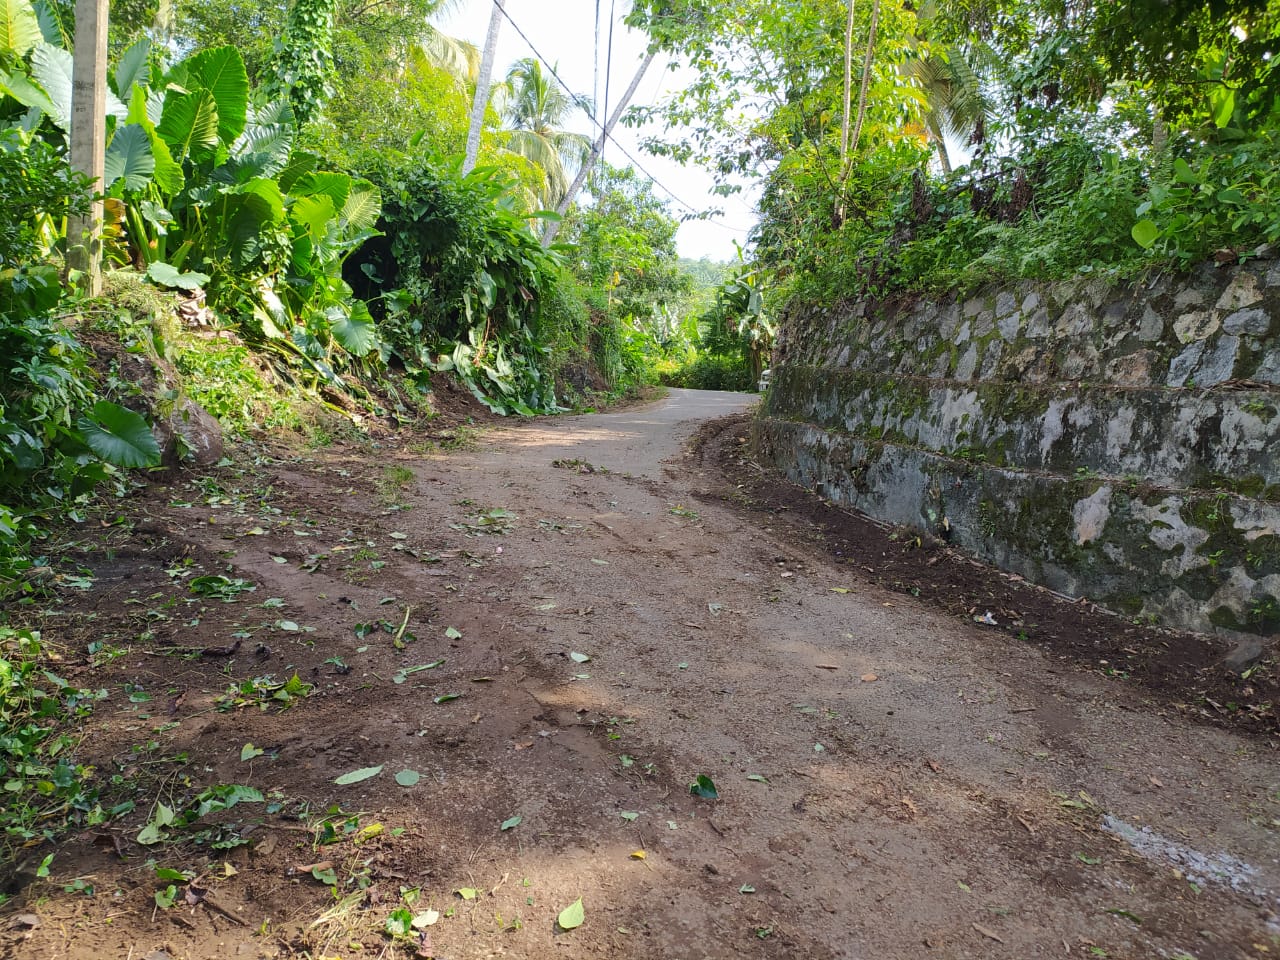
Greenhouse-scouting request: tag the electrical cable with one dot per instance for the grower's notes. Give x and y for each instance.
(609, 136)
(608, 73)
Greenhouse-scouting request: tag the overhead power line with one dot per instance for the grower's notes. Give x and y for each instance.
(591, 115)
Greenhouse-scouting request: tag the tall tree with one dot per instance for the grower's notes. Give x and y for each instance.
(89, 136)
(598, 149)
(534, 109)
(481, 98)
(955, 104)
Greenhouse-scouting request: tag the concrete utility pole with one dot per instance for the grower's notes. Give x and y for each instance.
(553, 228)
(89, 137)
(481, 99)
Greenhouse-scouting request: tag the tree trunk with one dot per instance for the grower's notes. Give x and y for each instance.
(848, 88)
(598, 148)
(481, 99)
(940, 139)
(88, 137)
(866, 73)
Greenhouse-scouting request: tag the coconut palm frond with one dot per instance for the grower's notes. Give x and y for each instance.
(541, 153)
(459, 58)
(534, 109)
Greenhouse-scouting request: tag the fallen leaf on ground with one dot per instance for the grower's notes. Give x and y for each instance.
(572, 916)
(408, 778)
(356, 776)
(704, 787)
(637, 854)
(990, 934)
(827, 666)
(466, 893)
(869, 678)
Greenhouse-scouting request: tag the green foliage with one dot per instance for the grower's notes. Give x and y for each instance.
(471, 277)
(36, 189)
(302, 68)
(46, 791)
(1101, 137)
(710, 372)
(625, 245)
(223, 378)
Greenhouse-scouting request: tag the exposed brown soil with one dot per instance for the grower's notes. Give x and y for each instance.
(895, 780)
(1185, 671)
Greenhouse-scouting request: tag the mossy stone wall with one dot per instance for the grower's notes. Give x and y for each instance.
(1115, 441)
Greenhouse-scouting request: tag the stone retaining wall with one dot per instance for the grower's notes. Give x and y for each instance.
(1115, 442)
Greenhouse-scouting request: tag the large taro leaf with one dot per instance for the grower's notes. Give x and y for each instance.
(362, 208)
(19, 86)
(250, 212)
(168, 173)
(53, 25)
(189, 123)
(314, 213)
(119, 436)
(221, 72)
(300, 165)
(321, 183)
(129, 158)
(51, 70)
(355, 331)
(19, 29)
(132, 68)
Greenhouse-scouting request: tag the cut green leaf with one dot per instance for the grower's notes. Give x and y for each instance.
(704, 787)
(119, 436)
(572, 916)
(408, 778)
(356, 776)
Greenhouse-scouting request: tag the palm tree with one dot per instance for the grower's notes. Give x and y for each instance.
(954, 103)
(481, 96)
(458, 58)
(534, 108)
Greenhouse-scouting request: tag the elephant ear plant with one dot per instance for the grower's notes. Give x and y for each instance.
(206, 186)
(56, 442)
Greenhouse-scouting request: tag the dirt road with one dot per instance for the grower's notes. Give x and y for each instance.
(580, 622)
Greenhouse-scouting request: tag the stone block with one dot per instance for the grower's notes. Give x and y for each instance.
(1039, 325)
(1218, 362)
(1253, 322)
(1181, 366)
(1241, 292)
(1196, 326)
(1133, 370)
(968, 363)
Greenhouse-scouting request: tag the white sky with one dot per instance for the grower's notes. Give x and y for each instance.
(563, 33)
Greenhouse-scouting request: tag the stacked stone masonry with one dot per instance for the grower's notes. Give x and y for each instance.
(1120, 442)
